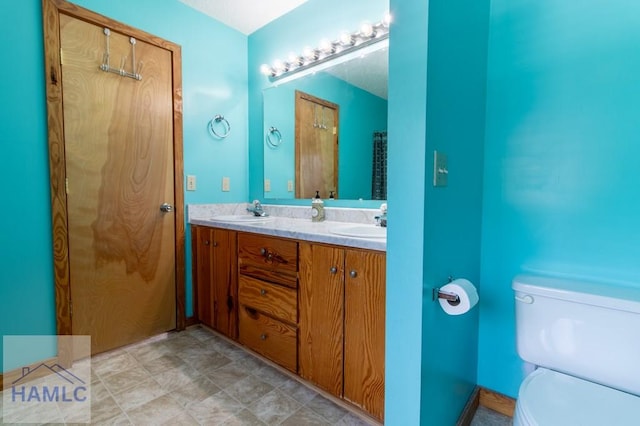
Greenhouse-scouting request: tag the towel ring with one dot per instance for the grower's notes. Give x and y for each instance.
(274, 137)
(220, 119)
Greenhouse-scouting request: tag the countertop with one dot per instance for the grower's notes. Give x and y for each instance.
(299, 229)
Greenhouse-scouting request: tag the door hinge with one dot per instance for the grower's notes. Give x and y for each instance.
(66, 185)
(61, 56)
(70, 308)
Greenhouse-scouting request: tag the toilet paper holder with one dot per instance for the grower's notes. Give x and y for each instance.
(452, 298)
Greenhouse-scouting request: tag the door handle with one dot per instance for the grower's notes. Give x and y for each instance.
(166, 208)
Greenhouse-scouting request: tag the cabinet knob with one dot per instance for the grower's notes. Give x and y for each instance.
(215, 244)
(333, 270)
(263, 251)
(206, 242)
(263, 336)
(353, 273)
(263, 291)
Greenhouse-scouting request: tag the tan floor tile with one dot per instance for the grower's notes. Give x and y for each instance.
(244, 418)
(307, 417)
(326, 408)
(177, 377)
(138, 395)
(125, 380)
(150, 352)
(113, 364)
(352, 420)
(268, 374)
(227, 375)
(298, 391)
(208, 361)
(248, 389)
(155, 411)
(102, 411)
(215, 409)
(197, 391)
(274, 407)
(162, 364)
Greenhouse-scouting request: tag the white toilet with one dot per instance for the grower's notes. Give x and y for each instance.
(585, 340)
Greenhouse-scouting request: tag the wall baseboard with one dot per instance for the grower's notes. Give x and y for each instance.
(470, 409)
(497, 402)
(6, 379)
(191, 321)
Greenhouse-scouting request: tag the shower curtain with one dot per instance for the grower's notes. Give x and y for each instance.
(379, 178)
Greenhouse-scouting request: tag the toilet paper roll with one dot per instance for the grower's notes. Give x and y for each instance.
(467, 293)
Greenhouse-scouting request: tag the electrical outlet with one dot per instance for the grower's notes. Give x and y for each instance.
(191, 183)
(290, 185)
(226, 184)
(267, 185)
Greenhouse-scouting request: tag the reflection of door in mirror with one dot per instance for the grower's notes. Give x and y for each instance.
(316, 146)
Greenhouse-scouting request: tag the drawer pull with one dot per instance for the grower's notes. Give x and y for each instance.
(263, 291)
(271, 257)
(353, 273)
(215, 244)
(333, 270)
(263, 336)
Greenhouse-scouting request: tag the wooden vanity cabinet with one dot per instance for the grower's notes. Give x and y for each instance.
(268, 297)
(342, 322)
(216, 277)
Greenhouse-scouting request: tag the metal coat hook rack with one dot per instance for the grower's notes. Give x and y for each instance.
(106, 65)
(216, 120)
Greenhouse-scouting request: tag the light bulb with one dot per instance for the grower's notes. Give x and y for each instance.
(347, 39)
(266, 69)
(310, 53)
(367, 30)
(386, 20)
(326, 46)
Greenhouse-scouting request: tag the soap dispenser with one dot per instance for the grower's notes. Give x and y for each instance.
(317, 208)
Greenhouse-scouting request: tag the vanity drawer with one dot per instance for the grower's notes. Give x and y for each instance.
(271, 338)
(268, 258)
(275, 300)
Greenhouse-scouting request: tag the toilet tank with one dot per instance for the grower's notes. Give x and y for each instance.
(583, 329)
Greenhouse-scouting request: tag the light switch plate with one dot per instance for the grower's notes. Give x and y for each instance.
(226, 184)
(290, 185)
(440, 170)
(191, 183)
(267, 185)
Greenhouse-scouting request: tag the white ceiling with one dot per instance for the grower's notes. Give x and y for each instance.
(245, 16)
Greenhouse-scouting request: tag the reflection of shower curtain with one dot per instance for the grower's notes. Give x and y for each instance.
(379, 180)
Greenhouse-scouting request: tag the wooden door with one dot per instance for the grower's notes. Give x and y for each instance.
(316, 146)
(118, 136)
(364, 324)
(225, 282)
(321, 307)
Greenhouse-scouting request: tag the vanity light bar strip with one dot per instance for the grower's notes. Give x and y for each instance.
(367, 35)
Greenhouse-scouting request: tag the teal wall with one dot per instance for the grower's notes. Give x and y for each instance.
(436, 102)
(360, 114)
(561, 192)
(214, 82)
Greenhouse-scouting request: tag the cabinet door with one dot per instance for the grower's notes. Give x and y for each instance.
(225, 281)
(364, 323)
(216, 270)
(203, 237)
(321, 310)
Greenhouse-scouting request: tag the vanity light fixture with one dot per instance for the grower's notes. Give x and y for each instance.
(366, 35)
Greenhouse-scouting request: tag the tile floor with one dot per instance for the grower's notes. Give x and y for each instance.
(198, 378)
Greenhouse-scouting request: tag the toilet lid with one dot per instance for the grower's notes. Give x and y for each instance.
(550, 398)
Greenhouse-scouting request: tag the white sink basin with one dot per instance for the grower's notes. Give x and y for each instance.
(240, 218)
(360, 231)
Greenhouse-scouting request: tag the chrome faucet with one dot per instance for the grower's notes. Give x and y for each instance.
(257, 209)
(382, 218)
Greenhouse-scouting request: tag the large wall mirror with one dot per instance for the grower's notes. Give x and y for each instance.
(356, 126)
